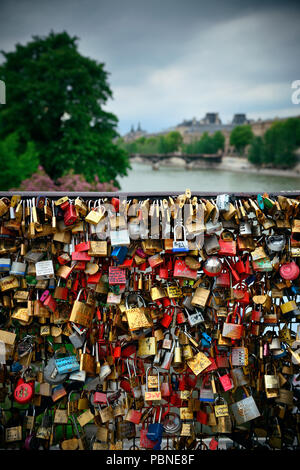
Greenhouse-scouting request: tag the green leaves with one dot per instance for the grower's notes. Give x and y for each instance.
(277, 147)
(240, 137)
(47, 81)
(207, 144)
(18, 162)
(168, 143)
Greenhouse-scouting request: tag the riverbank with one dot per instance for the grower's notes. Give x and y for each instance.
(235, 164)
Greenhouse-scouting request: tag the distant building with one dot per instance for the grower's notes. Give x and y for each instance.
(240, 120)
(133, 135)
(193, 129)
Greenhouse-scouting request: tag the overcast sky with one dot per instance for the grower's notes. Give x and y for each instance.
(171, 60)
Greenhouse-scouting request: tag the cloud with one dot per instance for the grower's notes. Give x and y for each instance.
(245, 64)
(175, 59)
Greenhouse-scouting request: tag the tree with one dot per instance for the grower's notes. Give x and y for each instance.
(240, 137)
(256, 151)
(219, 140)
(173, 141)
(55, 99)
(277, 147)
(281, 141)
(17, 161)
(209, 144)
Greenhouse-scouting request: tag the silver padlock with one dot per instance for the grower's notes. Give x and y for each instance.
(195, 318)
(211, 244)
(33, 256)
(77, 340)
(157, 357)
(256, 230)
(17, 268)
(5, 265)
(245, 228)
(79, 376)
(213, 228)
(223, 202)
(180, 245)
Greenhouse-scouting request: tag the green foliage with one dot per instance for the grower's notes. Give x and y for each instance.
(256, 151)
(278, 145)
(208, 144)
(18, 161)
(240, 137)
(168, 143)
(47, 79)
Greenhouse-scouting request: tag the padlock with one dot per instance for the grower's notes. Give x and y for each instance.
(24, 391)
(221, 410)
(271, 382)
(155, 429)
(152, 396)
(180, 245)
(60, 292)
(194, 318)
(70, 214)
(225, 381)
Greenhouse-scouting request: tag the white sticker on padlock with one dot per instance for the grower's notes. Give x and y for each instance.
(44, 269)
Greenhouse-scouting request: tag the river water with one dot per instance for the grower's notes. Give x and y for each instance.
(142, 178)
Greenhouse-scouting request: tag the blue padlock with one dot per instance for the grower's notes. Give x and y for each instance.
(155, 430)
(119, 253)
(16, 367)
(260, 202)
(158, 444)
(206, 340)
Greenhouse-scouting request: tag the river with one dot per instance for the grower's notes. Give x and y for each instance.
(142, 178)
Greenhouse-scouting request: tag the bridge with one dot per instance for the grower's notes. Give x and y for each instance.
(157, 158)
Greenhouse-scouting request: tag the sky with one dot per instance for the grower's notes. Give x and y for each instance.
(171, 60)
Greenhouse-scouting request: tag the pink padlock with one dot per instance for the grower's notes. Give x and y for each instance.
(44, 296)
(50, 303)
(226, 381)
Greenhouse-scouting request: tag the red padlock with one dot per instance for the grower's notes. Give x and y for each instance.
(226, 381)
(70, 215)
(63, 259)
(167, 318)
(81, 256)
(83, 246)
(239, 266)
(248, 269)
(256, 315)
(64, 205)
(202, 417)
(116, 203)
(180, 318)
(166, 302)
(50, 303)
(163, 272)
(181, 383)
(117, 350)
(79, 266)
(125, 384)
(24, 391)
(100, 398)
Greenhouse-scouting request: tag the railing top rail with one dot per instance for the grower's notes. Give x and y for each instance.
(144, 194)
